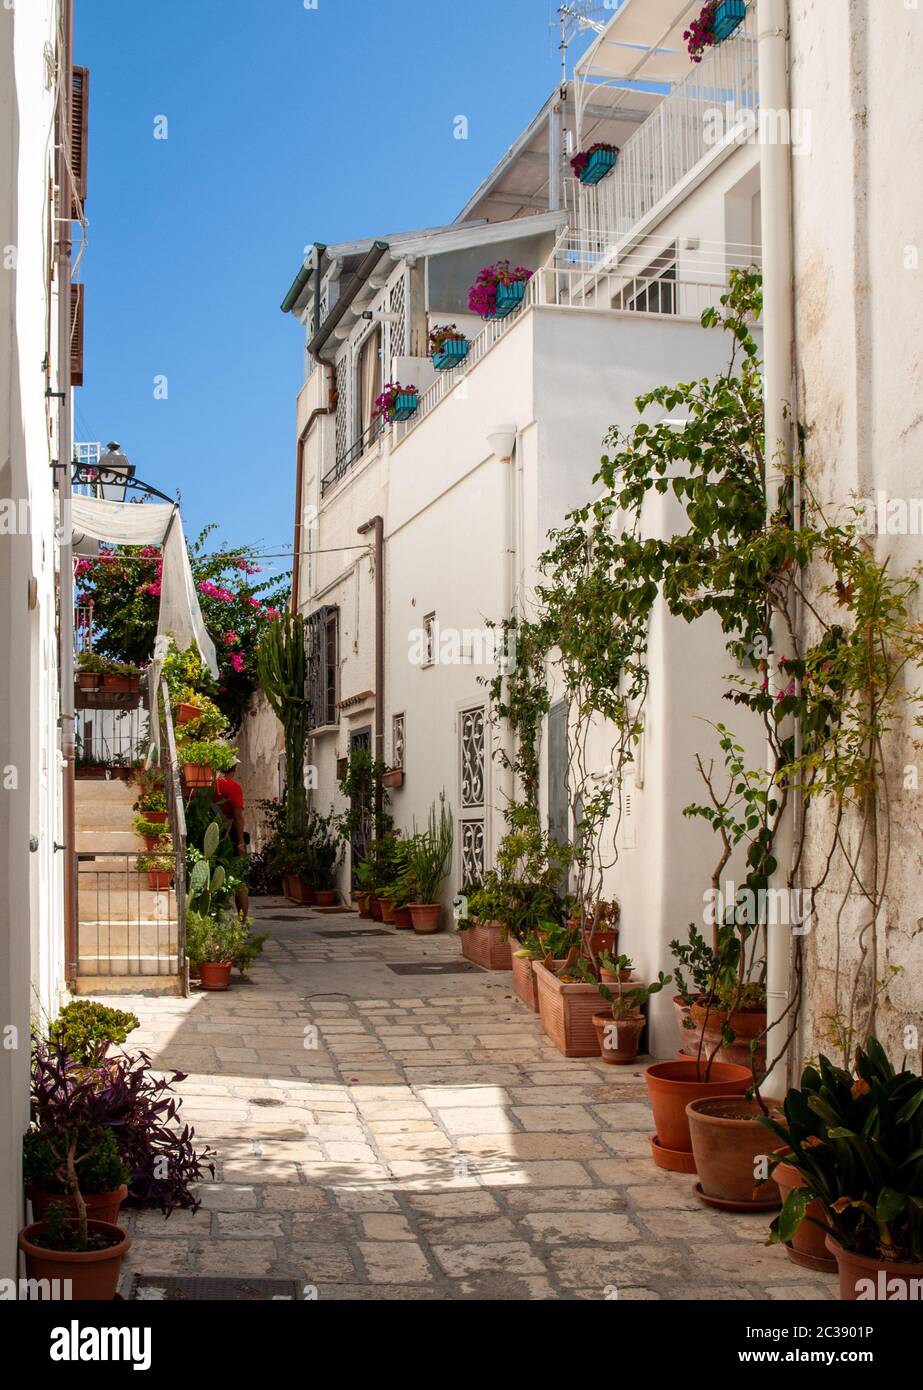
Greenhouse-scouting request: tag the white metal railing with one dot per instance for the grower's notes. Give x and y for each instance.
(679, 133)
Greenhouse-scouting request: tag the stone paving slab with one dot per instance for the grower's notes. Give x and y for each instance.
(384, 1136)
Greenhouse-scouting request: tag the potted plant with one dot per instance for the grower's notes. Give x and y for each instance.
(716, 21)
(396, 402)
(151, 802)
(393, 777)
(448, 346)
(729, 1145)
(85, 1029)
(857, 1139)
(430, 857)
(327, 852)
(720, 1010)
(619, 1030)
(484, 935)
(201, 759)
(215, 944)
(671, 1087)
(103, 1175)
(593, 164)
(498, 290)
(159, 867)
(90, 666)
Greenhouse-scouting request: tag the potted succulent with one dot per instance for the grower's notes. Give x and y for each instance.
(159, 867)
(85, 1029)
(857, 1139)
(498, 290)
(396, 402)
(593, 164)
(716, 21)
(448, 346)
(429, 860)
(619, 1030)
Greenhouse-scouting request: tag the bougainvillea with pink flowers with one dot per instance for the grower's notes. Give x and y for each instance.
(700, 35)
(482, 297)
(581, 160)
(386, 403)
(123, 585)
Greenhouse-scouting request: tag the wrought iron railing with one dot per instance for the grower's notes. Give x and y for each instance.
(352, 455)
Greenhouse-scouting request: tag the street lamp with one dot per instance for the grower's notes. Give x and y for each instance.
(114, 473)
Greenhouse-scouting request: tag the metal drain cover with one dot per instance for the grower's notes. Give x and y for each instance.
(264, 1100)
(357, 931)
(180, 1288)
(426, 967)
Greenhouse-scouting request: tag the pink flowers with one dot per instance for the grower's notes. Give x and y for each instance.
(272, 613)
(386, 404)
(581, 160)
(237, 662)
(231, 639)
(246, 567)
(482, 297)
(701, 32)
(81, 567)
(153, 590)
(253, 602)
(215, 591)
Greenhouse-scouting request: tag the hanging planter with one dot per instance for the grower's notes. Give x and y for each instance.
(592, 165)
(393, 778)
(498, 290)
(447, 347)
(396, 402)
(717, 21)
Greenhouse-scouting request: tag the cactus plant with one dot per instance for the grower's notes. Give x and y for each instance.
(204, 895)
(282, 667)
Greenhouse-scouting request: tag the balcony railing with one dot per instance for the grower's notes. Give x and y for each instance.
(679, 133)
(351, 456)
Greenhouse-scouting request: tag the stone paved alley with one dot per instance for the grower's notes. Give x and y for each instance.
(431, 1145)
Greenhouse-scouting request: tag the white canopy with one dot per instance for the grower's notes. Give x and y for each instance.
(133, 523)
(643, 42)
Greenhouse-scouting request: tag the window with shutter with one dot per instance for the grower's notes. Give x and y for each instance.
(322, 648)
(76, 339)
(80, 124)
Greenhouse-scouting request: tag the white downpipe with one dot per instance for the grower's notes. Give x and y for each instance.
(504, 441)
(778, 387)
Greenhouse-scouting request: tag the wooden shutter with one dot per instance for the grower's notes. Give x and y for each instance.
(76, 338)
(80, 118)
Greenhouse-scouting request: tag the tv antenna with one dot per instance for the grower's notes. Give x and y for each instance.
(580, 17)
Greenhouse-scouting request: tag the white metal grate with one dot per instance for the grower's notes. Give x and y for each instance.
(398, 326)
(343, 403)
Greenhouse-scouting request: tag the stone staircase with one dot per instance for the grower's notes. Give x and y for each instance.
(127, 933)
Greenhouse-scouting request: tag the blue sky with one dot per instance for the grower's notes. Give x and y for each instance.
(286, 125)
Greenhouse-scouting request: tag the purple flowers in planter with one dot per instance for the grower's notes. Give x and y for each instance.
(701, 33)
(482, 297)
(394, 402)
(580, 161)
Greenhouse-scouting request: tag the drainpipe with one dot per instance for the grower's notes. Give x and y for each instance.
(377, 526)
(65, 552)
(327, 409)
(502, 442)
(779, 396)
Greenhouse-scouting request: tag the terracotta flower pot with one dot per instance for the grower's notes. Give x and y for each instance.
(808, 1245)
(618, 1039)
(93, 1274)
(747, 1025)
(487, 944)
(393, 778)
(187, 713)
(90, 774)
(306, 892)
(159, 880)
(566, 1011)
(375, 908)
(215, 974)
(403, 918)
(425, 917)
(728, 1143)
(387, 910)
(197, 775)
(525, 984)
(87, 680)
(362, 902)
(101, 1206)
(672, 1085)
(326, 897)
(121, 685)
(866, 1278)
(151, 842)
(156, 817)
(288, 886)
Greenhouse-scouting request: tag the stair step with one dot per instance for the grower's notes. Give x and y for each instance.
(88, 982)
(98, 840)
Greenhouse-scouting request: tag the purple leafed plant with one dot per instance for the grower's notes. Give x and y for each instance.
(72, 1103)
(482, 297)
(701, 33)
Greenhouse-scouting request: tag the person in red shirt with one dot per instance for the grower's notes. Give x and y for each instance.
(228, 796)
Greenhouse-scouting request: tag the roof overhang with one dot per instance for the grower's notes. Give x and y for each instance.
(643, 42)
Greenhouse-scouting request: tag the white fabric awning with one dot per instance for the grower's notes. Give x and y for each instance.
(160, 524)
(643, 42)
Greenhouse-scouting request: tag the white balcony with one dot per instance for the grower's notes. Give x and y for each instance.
(706, 106)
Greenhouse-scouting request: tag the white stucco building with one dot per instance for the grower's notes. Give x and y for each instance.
(504, 445)
(35, 403)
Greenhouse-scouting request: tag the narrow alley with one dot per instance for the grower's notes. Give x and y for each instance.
(373, 1144)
